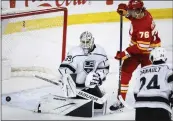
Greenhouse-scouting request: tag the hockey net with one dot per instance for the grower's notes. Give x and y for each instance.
(33, 41)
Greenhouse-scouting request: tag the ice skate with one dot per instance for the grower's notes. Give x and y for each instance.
(117, 107)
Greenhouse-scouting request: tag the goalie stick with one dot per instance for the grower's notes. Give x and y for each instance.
(79, 92)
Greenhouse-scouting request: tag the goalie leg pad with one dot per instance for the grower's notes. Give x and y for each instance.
(64, 106)
(95, 93)
(69, 86)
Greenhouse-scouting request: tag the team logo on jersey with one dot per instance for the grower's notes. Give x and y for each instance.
(89, 66)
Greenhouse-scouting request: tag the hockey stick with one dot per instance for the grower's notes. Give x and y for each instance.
(79, 92)
(120, 61)
(120, 64)
(48, 80)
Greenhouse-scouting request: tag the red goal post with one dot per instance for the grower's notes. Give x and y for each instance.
(19, 13)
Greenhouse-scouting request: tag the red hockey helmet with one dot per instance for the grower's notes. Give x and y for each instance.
(135, 4)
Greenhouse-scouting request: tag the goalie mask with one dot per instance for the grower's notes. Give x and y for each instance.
(87, 42)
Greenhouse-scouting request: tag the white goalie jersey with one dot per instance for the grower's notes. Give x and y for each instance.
(154, 87)
(81, 64)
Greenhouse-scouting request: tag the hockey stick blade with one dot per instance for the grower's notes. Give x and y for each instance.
(79, 92)
(124, 103)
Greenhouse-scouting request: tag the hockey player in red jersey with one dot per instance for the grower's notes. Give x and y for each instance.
(144, 37)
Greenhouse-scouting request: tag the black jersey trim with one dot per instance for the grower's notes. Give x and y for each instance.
(93, 54)
(79, 55)
(60, 72)
(99, 54)
(106, 67)
(68, 66)
(93, 48)
(170, 78)
(149, 66)
(153, 99)
(80, 85)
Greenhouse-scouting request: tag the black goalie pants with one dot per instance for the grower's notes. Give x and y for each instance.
(152, 114)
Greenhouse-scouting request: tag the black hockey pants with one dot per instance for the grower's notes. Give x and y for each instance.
(152, 114)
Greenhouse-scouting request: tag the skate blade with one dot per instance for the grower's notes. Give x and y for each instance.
(121, 110)
(117, 111)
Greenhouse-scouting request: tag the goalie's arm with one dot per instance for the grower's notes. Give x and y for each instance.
(68, 66)
(103, 68)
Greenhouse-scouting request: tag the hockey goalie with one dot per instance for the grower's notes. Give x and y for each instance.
(85, 68)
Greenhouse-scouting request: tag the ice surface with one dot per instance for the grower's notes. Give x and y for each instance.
(107, 35)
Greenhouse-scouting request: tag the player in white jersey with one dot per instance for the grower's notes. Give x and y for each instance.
(154, 89)
(89, 62)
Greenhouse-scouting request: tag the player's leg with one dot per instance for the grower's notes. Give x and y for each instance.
(65, 104)
(128, 67)
(152, 114)
(142, 114)
(160, 114)
(93, 89)
(145, 60)
(96, 92)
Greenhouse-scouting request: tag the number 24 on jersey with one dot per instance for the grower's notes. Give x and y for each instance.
(153, 83)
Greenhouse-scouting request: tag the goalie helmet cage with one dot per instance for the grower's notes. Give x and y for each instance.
(32, 13)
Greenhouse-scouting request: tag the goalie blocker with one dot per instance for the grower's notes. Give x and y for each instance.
(84, 104)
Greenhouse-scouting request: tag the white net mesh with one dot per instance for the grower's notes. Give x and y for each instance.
(33, 42)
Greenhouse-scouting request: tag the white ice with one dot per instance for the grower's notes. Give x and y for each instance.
(106, 34)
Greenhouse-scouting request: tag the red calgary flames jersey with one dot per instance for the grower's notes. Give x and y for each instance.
(143, 34)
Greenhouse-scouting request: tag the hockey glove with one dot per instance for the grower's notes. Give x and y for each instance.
(122, 9)
(122, 55)
(92, 80)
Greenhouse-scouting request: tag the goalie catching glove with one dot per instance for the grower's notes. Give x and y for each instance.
(93, 79)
